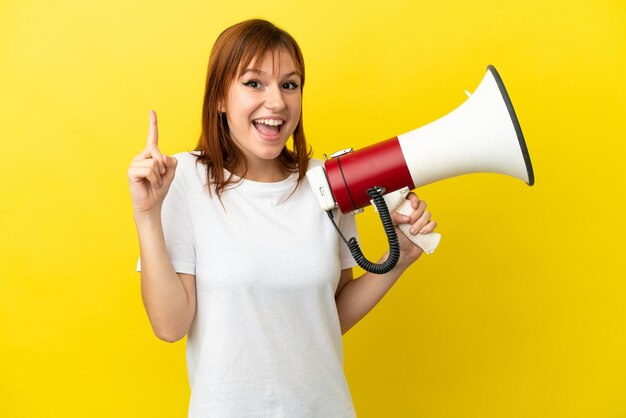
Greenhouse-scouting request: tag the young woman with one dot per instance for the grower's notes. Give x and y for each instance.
(236, 253)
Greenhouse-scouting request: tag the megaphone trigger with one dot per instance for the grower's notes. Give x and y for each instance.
(394, 199)
(397, 201)
(427, 242)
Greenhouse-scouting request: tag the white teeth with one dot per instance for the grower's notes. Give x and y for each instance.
(270, 122)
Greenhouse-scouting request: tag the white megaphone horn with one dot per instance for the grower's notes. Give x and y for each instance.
(481, 135)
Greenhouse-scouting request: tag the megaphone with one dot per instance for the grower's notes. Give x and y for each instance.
(481, 135)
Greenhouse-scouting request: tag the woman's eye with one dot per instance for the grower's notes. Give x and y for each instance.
(290, 85)
(252, 83)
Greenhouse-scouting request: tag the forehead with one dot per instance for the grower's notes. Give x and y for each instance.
(271, 62)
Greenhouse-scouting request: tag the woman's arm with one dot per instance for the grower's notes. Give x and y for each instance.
(355, 298)
(169, 297)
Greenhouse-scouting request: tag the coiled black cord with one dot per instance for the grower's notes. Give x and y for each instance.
(376, 193)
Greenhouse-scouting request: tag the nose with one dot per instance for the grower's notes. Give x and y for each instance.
(274, 98)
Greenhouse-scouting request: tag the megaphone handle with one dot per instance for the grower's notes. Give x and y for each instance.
(427, 242)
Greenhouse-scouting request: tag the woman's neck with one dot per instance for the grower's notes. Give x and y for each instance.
(264, 171)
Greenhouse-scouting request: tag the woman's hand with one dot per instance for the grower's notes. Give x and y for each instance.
(420, 222)
(151, 173)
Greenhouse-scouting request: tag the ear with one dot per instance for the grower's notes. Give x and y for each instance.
(220, 107)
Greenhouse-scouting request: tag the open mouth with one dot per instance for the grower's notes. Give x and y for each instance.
(269, 128)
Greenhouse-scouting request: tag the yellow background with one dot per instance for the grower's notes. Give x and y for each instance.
(521, 312)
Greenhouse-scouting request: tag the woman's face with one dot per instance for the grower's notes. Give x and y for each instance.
(263, 107)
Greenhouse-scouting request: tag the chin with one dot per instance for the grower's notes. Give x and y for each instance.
(269, 155)
(271, 151)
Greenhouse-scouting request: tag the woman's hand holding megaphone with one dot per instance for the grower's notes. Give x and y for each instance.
(413, 220)
(150, 174)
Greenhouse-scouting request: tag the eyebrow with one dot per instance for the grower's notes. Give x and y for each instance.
(252, 70)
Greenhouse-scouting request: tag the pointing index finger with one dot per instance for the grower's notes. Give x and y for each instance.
(153, 141)
(153, 130)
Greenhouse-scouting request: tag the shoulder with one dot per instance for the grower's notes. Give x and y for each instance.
(188, 162)
(186, 158)
(189, 170)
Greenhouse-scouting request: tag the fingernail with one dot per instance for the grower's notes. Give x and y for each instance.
(413, 231)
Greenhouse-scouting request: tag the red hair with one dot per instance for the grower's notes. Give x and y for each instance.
(234, 50)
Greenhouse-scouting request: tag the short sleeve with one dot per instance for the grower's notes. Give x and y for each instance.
(347, 225)
(177, 228)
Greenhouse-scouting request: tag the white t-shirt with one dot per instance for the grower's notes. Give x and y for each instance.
(266, 339)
